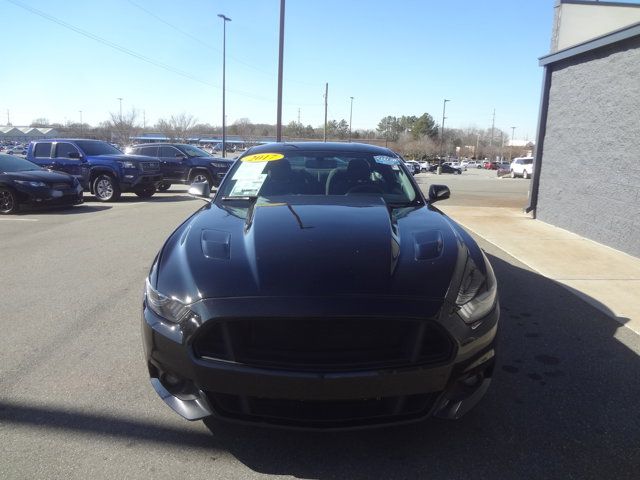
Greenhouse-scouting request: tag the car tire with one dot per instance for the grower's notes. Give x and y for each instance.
(201, 176)
(525, 174)
(105, 188)
(8, 201)
(513, 174)
(146, 191)
(459, 172)
(164, 186)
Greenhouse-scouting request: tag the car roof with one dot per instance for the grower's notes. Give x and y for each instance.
(342, 147)
(160, 144)
(68, 140)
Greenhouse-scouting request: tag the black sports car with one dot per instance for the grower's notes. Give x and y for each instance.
(446, 169)
(25, 183)
(320, 289)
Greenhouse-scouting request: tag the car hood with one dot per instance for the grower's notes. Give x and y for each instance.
(310, 247)
(39, 176)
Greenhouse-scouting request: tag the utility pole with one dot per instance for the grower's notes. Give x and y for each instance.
(225, 19)
(513, 132)
(120, 99)
(493, 126)
(8, 119)
(81, 132)
(475, 153)
(144, 119)
(444, 109)
(298, 116)
(326, 98)
(280, 55)
(350, 118)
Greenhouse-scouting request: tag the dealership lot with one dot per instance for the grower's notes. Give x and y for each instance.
(75, 400)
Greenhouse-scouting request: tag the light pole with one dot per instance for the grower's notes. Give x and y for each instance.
(350, 118)
(225, 19)
(120, 99)
(444, 109)
(513, 131)
(475, 154)
(280, 55)
(80, 112)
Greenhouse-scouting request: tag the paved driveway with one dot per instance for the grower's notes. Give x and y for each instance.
(75, 401)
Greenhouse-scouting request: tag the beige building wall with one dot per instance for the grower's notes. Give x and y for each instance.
(579, 22)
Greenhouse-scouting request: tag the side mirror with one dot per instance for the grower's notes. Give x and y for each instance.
(200, 190)
(438, 192)
(73, 155)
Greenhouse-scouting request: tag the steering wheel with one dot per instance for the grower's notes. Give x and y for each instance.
(366, 188)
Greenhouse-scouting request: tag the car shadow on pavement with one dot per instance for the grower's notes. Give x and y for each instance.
(66, 210)
(564, 403)
(157, 198)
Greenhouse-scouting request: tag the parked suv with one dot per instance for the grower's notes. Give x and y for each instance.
(522, 167)
(101, 168)
(183, 163)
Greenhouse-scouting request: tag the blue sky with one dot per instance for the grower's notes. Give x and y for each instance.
(396, 57)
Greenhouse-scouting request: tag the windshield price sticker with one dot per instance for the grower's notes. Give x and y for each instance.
(385, 160)
(262, 157)
(248, 187)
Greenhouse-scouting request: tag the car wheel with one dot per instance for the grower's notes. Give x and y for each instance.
(105, 188)
(8, 201)
(513, 174)
(525, 174)
(201, 176)
(164, 186)
(146, 191)
(458, 172)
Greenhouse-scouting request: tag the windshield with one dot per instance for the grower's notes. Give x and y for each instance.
(192, 151)
(319, 173)
(92, 148)
(15, 164)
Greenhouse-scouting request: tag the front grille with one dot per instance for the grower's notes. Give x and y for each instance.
(324, 344)
(149, 166)
(323, 414)
(60, 186)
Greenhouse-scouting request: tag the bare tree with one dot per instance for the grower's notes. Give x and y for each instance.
(182, 124)
(246, 130)
(125, 126)
(166, 128)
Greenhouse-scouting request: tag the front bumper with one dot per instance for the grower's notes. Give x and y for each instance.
(46, 196)
(200, 387)
(131, 182)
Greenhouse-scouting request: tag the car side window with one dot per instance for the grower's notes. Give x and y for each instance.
(169, 152)
(148, 151)
(42, 150)
(64, 149)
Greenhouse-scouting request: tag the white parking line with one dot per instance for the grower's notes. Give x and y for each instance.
(19, 219)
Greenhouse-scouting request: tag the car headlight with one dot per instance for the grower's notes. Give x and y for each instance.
(170, 309)
(127, 164)
(219, 165)
(478, 291)
(31, 184)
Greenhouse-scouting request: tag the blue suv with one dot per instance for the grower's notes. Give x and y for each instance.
(184, 164)
(100, 167)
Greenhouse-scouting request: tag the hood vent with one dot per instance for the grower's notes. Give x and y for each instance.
(216, 244)
(428, 244)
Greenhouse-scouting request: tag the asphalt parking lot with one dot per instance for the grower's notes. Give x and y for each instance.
(75, 400)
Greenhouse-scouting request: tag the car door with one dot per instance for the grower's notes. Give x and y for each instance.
(67, 158)
(42, 155)
(173, 163)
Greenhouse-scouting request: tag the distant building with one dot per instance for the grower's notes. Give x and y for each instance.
(586, 175)
(9, 133)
